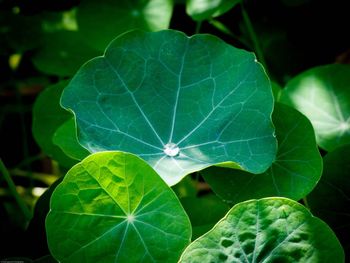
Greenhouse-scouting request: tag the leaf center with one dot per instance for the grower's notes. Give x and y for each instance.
(171, 149)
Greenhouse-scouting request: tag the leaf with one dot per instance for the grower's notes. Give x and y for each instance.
(322, 94)
(180, 103)
(65, 137)
(113, 206)
(330, 200)
(267, 230)
(47, 117)
(62, 53)
(117, 17)
(295, 172)
(201, 10)
(198, 209)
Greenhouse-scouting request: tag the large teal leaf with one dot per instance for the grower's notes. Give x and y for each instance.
(330, 200)
(264, 231)
(113, 207)
(48, 116)
(180, 103)
(102, 21)
(323, 95)
(294, 173)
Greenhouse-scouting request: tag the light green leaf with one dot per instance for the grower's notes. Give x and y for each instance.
(182, 104)
(113, 207)
(204, 9)
(102, 21)
(323, 95)
(267, 230)
(330, 200)
(47, 117)
(295, 172)
(65, 137)
(62, 53)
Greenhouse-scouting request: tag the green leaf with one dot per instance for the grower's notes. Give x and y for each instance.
(330, 200)
(47, 117)
(113, 206)
(267, 230)
(65, 137)
(62, 53)
(296, 171)
(322, 94)
(102, 21)
(182, 104)
(204, 212)
(201, 10)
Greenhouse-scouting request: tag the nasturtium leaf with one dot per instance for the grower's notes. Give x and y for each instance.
(267, 230)
(294, 173)
(62, 53)
(48, 116)
(101, 21)
(204, 212)
(323, 95)
(113, 207)
(204, 9)
(65, 137)
(180, 103)
(330, 200)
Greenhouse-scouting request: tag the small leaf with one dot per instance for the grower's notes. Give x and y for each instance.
(204, 9)
(267, 230)
(322, 94)
(65, 137)
(330, 200)
(47, 117)
(295, 172)
(113, 207)
(180, 103)
(117, 17)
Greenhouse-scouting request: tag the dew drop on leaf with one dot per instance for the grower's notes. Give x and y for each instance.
(171, 149)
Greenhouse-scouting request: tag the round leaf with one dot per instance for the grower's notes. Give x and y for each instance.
(267, 230)
(116, 17)
(323, 95)
(113, 207)
(47, 117)
(180, 103)
(294, 173)
(330, 200)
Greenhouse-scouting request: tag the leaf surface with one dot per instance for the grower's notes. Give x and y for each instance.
(180, 103)
(267, 230)
(113, 206)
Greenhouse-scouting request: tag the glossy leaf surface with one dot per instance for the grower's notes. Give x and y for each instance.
(296, 171)
(113, 207)
(267, 230)
(180, 103)
(323, 95)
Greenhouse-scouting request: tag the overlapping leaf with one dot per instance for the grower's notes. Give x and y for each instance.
(267, 230)
(113, 207)
(180, 103)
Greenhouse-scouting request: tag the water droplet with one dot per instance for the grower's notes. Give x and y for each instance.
(171, 149)
(130, 218)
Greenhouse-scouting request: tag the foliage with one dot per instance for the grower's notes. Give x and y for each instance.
(170, 132)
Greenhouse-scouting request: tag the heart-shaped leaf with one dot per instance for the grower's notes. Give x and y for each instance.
(294, 173)
(323, 95)
(330, 200)
(180, 103)
(113, 207)
(102, 21)
(267, 230)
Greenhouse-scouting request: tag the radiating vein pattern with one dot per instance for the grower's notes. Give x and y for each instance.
(116, 201)
(150, 90)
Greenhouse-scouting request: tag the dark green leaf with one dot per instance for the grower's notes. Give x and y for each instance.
(113, 207)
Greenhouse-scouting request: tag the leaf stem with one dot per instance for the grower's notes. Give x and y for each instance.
(198, 27)
(253, 37)
(25, 210)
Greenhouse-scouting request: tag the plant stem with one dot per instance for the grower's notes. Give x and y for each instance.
(306, 204)
(198, 27)
(253, 37)
(25, 210)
